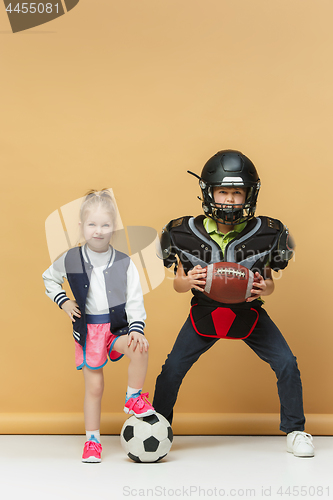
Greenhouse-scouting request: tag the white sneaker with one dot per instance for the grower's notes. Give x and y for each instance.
(300, 444)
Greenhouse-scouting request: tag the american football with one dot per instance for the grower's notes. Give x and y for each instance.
(228, 282)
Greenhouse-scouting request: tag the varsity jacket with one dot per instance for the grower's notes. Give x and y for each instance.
(122, 285)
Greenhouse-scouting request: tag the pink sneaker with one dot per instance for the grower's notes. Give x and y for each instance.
(140, 406)
(92, 452)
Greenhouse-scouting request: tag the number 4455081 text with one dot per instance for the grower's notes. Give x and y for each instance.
(33, 8)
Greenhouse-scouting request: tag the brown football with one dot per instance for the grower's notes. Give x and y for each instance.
(228, 282)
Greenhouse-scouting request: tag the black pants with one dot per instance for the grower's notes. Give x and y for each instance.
(266, 341)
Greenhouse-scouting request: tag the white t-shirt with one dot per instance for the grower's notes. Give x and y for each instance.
(97, 302)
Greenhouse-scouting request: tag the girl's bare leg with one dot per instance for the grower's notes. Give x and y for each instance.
(94, 386)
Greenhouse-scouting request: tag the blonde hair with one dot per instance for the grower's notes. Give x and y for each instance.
(94, 199)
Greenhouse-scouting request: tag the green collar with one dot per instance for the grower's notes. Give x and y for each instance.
(211, 227)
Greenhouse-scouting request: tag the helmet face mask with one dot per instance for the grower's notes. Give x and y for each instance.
(229, 168)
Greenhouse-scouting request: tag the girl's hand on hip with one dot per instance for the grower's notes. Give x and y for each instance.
(72, 309)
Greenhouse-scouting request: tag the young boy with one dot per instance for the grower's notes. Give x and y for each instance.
(230, 232)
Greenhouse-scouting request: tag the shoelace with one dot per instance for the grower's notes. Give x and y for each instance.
(303, 435)
(92, 445)
(139, 401)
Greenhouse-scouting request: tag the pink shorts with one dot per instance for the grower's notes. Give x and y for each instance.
(99, 345)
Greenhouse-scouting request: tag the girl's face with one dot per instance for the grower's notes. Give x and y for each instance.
(97, 229)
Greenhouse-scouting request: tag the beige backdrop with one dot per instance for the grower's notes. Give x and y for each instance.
(130, 95)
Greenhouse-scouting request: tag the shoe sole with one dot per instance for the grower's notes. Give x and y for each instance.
(301, 455)
(139, 415)
(91, 460)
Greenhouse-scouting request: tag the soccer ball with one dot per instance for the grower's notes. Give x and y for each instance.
(146, 439)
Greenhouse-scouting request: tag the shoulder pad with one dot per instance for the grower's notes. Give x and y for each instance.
(165, 241)
(286, 244)
(274, 223)
(176, 223)
(284, 250)
(167, 249)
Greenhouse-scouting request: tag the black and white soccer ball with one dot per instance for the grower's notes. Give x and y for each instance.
(146, 439)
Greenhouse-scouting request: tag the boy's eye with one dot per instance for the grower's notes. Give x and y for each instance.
(106, 225)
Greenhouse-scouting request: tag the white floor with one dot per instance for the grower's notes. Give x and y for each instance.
(49, 467)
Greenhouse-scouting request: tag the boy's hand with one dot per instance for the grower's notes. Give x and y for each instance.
(259, 287)
(72, 309)
(137, 339)
(196, 277)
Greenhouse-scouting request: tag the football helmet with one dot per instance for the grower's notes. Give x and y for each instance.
(229, 168)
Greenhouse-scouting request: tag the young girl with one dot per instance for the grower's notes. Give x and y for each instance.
(107, 313)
